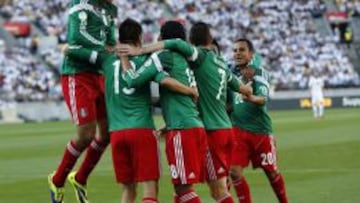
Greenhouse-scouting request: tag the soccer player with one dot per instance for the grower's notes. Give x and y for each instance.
(90, 25)
(213, 77)
(253, 139)
(186, 143)
(134, 144)
(316, 85)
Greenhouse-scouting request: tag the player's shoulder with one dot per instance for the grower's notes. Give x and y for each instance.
(261, 81)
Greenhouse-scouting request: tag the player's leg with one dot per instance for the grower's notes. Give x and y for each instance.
(321, 107)
(97, 145)
(240, 184)
(218, 163)
(150, 192)
(146, 162)
(239, 160)
(278, 184)
(314, 106)
(266, 158)
(185, 151)
(128, 194)
(123, 165)
(77, 98)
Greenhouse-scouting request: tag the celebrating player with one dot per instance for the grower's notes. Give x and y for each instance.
(134, 144)
(90, 25)
(252, 127)
(213, 77)
(186, 143)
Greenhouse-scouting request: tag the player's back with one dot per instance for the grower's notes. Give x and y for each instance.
(179, 110)
(212, 75)
(126, 107)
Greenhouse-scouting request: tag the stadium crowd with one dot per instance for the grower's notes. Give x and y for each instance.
(24, 77)
(282, 31)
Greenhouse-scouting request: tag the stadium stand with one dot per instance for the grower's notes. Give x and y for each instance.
(283, 32)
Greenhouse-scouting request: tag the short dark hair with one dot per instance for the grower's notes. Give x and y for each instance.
(217, 45)
(248, 43)
(130, 32)
(200, 34)
(171, 30)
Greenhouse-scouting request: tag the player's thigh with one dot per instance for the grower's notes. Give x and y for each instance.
(264, 155)
(80, 96)
(219, 156)
(241, 149)
(145, 154)
(121, 156)
(185, 151)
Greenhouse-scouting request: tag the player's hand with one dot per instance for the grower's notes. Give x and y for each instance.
(125, 49)
(161, 132)
(246, 89)
(195, 94)
(64, 48)
(110, 49)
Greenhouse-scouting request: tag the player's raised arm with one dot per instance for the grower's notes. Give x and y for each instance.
(84, 54)
(152, 70)
(191, 52)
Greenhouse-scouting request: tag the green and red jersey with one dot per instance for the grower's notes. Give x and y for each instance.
(213, 78)
(91, 25)
(179, 110)
(127, 107)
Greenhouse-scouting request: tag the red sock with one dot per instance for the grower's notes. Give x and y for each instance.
(189, 196)
(149, 200)
(67, 163)
(93, 155)
(226, 199)
(242, 190)
(176, 199)
(278, 186)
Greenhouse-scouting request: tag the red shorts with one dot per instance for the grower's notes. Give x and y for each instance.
(135, 154)
(185, 151)
(218, 158)
(259, 149)
(84, 96)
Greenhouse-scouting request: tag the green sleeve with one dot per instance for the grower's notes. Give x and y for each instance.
(135, 77)
(111, 29)
(262, 90)
(232, 81)
(86, 55)
(192, 53)
(255, 61)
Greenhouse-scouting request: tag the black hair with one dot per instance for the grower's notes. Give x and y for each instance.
(248, 43)
(171, 30)
(130, 32)
(200, 34)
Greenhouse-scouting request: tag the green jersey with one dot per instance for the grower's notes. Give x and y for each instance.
(249, 116)
(179, 110)
(90, 25)
(212, 77)
(126, 107)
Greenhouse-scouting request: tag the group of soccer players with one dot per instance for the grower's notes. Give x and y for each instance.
(216, 121)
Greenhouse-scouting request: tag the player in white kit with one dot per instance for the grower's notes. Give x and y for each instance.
(316, 85)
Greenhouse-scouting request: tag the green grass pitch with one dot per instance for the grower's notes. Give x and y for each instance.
(320, 160)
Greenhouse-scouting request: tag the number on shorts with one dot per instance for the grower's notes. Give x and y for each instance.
(267, 159)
